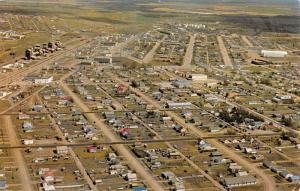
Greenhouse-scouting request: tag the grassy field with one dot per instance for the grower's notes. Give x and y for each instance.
(41, 20)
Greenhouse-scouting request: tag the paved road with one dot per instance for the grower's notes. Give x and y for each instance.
(224, 53)
(269, 183)
(23, 172)
(131, 159)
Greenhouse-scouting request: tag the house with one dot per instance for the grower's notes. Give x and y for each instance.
(23, 116)
(62, 150)
(124, 133)
(109, 115)
(214, 129)
(48, 187)
(217, 160)
(2, 173)
(294, 178)
(239, 181)
(27, 141)
(139, 188)
(173, 153)
(285, 174)
(3, 185)
(91, 149)
(27, 126)
(48, 176)
(268, 164)
(181, 83)
(166, 118)
(215, 154)
(257, 157)
(241, 173)
(234, 168)
(112, 156)
(131, 176)
(249, 150)
(179, 186)
(155, 164)
(168, 175)
(37, 108)
(203, 146)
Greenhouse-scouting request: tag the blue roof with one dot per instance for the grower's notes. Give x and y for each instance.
(139, 188)
(2, 183)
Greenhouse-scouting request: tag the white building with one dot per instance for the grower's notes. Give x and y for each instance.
(27, 141)
(274, 53)
(198, 77)
(43, 80)
(3, 94)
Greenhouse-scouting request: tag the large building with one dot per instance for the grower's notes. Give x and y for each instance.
(179, 104)
(273, 53)
(239, 181)
(198, 77)
(43, 80)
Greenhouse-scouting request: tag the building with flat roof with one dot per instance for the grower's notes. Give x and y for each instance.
(239, 181)
(273, 53)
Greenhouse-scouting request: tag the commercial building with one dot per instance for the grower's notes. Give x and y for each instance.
(179, 104)
(273, 53)
(239, 181)
(198, 77)
(43, 80)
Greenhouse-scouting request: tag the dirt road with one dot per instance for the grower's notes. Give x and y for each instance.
(246, 41)
(148, 58)
(189, 52)
(268, 181)
(130, 158)
(23, 172)
(224, 53)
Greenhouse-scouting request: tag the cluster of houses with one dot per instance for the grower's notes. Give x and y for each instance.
(173, 180)
(281, 171)
(10, 35)
(3, 181)
(116, 168)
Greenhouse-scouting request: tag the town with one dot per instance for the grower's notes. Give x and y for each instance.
(182, 106)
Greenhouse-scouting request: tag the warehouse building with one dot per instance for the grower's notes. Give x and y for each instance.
(179, 104)
(273, 53)
(198, 77)
(239, 181)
